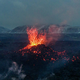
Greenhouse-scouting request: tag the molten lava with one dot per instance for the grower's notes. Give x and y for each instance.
(35, 38)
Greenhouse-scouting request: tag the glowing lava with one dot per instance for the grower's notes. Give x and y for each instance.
(35, 38)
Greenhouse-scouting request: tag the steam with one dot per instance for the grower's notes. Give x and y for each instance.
(14, 69)
(54, 33)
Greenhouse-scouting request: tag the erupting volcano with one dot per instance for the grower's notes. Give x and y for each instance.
(36, 45)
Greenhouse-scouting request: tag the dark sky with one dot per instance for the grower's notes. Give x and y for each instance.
(24, 12)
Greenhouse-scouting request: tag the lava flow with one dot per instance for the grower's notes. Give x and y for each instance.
(35, 38)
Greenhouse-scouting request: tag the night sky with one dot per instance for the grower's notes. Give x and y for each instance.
(15, 13)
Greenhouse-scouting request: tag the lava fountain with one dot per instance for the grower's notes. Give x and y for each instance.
(35, 38)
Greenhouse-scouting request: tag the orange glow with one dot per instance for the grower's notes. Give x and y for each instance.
(35, 38)
(53, 59)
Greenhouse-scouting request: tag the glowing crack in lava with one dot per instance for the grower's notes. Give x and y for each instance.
(35, 38)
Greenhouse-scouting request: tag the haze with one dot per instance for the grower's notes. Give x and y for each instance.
(15, 13)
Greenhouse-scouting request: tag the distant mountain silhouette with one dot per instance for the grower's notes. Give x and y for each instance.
(19, 29)
(71, 29)
(3, 30)
(66, 28)
(22, 29)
